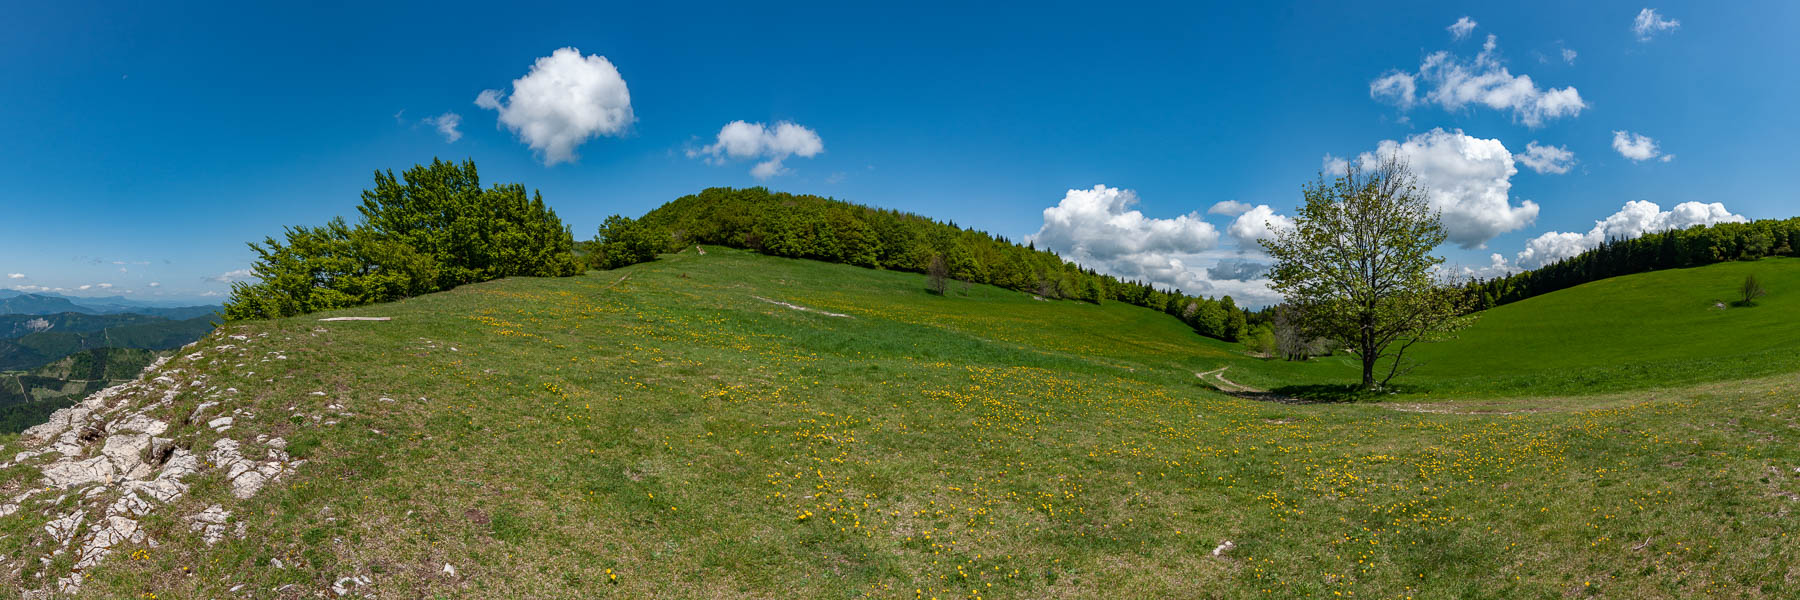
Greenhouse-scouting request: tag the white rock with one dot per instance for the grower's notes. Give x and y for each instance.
(210, 523)
(1223, 548)
(449, 570)
(62, 530)
(126, 452)
(71, 474)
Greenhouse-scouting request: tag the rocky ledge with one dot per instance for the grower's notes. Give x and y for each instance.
(120, 458)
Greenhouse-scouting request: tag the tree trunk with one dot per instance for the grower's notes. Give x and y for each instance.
(1368, 361)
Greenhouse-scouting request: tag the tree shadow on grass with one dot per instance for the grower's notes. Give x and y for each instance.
(1328, 393)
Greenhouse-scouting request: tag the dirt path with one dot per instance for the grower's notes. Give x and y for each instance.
(1226, 385)
(803, 308)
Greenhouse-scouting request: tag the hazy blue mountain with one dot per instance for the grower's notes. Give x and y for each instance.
(36, 349)
(44, 303)
(34, 304)
(20, 325)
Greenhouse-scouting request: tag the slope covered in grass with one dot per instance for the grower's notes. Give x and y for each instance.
(673, 429)
(1635, 332)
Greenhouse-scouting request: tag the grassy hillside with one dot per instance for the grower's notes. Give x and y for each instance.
(669, 430)
(1638, 331)
(1633, 332)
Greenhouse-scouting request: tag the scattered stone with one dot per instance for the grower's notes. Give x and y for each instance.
(62, 530)
(345, 585)
(1223, 548)
(449, 570)
(358, 319)
(220, 424)
(210, 523)
(276, 562)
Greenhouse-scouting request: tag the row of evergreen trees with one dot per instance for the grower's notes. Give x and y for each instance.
(825, 229)
(434, 230)
(1692, 247)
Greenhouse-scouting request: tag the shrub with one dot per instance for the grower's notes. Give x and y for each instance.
(623, 241)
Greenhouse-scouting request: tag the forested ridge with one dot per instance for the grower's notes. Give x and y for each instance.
(826, 229)
(1677, 248)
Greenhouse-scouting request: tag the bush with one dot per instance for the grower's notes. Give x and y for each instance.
(433, 231)
(623, 241)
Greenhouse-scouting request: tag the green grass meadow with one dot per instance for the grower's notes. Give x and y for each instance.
(668, 430)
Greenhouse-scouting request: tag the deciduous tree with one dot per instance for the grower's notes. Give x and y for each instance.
(1358, 264)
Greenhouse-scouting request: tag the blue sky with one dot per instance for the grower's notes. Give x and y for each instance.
(146, 143)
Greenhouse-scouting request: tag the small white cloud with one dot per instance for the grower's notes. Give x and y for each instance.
(104, 286)
(1457, 83)
(1636, 218)
(155, 284)
(1468, 180)
(1461, 28)
(741, 140)
(1229, 208)
(1334, 166)
(1547, 159)
(233, 275)
(563, 102)
(15, 275)
(1398, 88)
(1636, 146)
(446, 125)
(1259, 223)
(210, 294)
(1568, 56)
(1648, 24)
(84, 287)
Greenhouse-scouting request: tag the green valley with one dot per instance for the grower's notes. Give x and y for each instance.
(731, 424)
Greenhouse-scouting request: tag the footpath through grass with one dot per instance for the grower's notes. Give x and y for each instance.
(666, 430)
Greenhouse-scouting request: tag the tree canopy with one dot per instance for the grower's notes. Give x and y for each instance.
(1358, 267)
(433, 230)
(825, 229)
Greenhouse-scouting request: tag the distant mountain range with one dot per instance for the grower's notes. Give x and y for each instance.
(14, 302)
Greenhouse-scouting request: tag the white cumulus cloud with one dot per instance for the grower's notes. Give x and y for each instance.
(446, 125)
(1461, 28)
(739, 140)
(1638, 147)
(155, 284)
(1547, 159)
(563, 102)
(1636, 218)
(1229, 208)
(15, 275)
(1098, 228)
(1457, 83)
(1467, 179)
(1259, 223)
(1648, 24)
